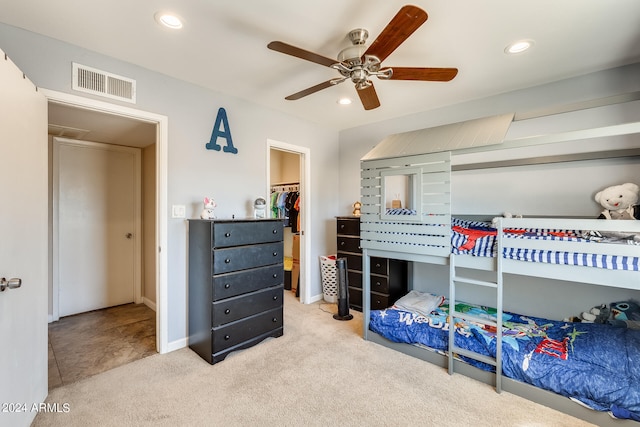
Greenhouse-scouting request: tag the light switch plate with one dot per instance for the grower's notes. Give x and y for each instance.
(178, 211)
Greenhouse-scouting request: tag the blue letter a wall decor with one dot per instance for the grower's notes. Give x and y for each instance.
(218, 132)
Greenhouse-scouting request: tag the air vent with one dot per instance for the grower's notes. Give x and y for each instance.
(102, 83)
(67, 131)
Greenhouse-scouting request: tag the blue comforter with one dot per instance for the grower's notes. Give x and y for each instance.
(598, 365)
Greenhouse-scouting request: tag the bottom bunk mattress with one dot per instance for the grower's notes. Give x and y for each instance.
(597, 365)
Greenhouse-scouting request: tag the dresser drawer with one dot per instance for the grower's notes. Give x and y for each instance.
(379, 302)
(355, 297)
(355, 279)
(379, 266)
(242, 306)
(237, 233)
(379, 284)
(349, 244)
(241, 282)
(354, 262)
(237, 332)
(243, 257)
(348, 226)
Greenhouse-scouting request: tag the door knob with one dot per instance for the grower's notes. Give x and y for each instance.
(129, 235)
(11, 283)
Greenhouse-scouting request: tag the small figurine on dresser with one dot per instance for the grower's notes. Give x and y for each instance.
(356, 208)
(260, 208)
(209, 206)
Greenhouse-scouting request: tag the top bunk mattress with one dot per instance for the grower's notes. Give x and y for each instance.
(479, 238)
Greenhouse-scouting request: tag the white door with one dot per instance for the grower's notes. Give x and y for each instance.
(23, 246)
(96, 194)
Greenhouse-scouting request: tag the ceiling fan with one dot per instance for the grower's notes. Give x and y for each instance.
(359, 62)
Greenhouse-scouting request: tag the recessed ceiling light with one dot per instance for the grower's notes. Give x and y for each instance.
(168, 20)
(518, 46)
(344, 101)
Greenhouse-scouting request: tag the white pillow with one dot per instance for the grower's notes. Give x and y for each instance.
(420, 302)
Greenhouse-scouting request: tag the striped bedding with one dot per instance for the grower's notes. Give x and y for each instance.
(479, 239)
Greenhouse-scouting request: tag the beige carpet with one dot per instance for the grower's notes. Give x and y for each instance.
(320, 373)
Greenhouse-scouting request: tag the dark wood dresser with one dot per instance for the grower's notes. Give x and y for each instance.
(388, 276)
(236, 279)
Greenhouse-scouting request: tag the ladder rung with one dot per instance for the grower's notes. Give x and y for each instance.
(476, 356)
(475, 282)
(476, 319)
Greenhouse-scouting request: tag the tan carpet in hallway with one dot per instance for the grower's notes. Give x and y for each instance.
(320, 373)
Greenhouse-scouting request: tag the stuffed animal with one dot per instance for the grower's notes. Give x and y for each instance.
(625, 314)
(622, 314)
(494, 221)
(209, 206)
(619, 201)
(597, 314)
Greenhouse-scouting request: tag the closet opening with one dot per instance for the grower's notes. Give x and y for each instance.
(288, 200)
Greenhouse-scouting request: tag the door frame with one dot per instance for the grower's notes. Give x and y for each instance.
(137, 230)
(162, 148)
(305, 220)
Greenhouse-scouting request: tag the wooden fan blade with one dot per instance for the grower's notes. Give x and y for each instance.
(406, 21)
(425, 74)
(301, 53)
(310, 90)
(368, 97)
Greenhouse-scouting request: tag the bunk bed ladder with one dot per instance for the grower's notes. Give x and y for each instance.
(497, 324)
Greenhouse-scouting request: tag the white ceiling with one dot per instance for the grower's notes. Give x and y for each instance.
(223, 45)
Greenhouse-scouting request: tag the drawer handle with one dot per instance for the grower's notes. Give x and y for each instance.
(227, 234)
(274, 320)
(227, 311)
(275, 297)
(227, 261)
(275, 254)
(275, 231)
(378, 266)
(227, 285)
(341, 243)
(341, 226)
(226, 337)
(378, 284)
(275, 275)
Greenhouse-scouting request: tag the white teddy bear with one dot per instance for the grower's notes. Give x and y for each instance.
(619, 201)
(209, 206)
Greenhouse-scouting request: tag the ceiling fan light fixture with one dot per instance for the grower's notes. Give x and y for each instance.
(168, 20)
(518, 47)
(352, 54)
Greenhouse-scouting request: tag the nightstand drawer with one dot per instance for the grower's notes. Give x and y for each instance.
(243, 257)
(379, 284)
(379, 302)
(349, 244)
(231, 309)
(242, 233)
(379, 266)
(348, 226)
(235, 333)
(354, 262)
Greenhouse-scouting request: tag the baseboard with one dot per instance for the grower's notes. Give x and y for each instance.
(316, 298)
(176, 345)
(149, 303)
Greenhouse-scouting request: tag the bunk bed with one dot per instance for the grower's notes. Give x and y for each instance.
(551, 248)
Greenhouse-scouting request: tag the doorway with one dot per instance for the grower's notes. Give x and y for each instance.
(287, 171)
(97, 219)
(155, 218)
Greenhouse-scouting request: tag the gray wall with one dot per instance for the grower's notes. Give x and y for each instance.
(563, 189)
(194, 172)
